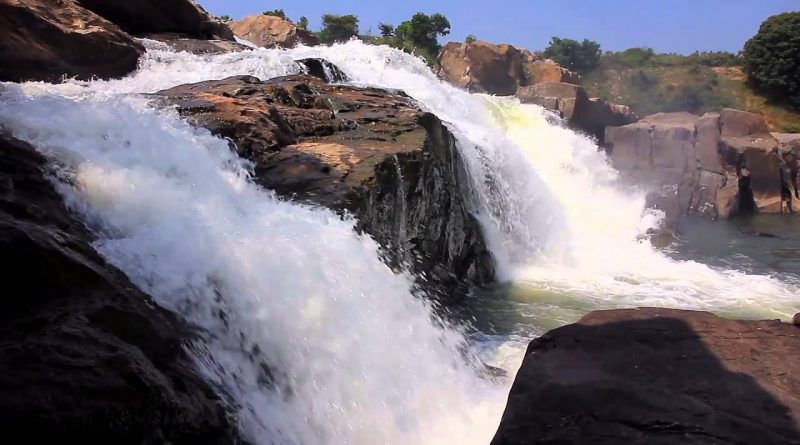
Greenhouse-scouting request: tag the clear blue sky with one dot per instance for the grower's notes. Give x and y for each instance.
(680, 26)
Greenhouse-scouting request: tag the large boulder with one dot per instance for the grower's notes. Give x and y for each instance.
(160, 16)
(271, 32)
(571, 102)
(716, 165)
(482, 67)
(657, 376)
(541, 71)
(85, 357)
(365, 151)
(51, 39)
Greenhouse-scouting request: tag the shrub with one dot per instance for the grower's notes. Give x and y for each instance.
(577, 56)
(338, 28)
(772, 58)
(276, 13)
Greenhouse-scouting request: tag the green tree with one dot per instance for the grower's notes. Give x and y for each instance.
(470, 38)
(577, 56)
(386, 29)
(421, 34)
(276, 13)
(303, 23)
(338, 28)
(772, 58)
(224, 18)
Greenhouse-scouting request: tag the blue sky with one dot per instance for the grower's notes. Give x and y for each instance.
(679, 26)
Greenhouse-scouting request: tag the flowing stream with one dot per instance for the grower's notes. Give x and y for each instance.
(309, 336)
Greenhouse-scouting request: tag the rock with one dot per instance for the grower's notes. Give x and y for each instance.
(796, 319)
(657, 376)
(178, 42)
(270, 32)
(366, 151)
(85, 357)
(717, 165)
(741, 123)
(160, 16)
(482, 67)
(322, 69)
(541, 71)
(789, 143)
(571, 102)
(51, 39)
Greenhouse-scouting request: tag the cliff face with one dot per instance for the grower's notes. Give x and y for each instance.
(84, 356)
(363, 151)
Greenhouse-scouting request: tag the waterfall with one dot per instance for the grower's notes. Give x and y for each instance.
(308, 335)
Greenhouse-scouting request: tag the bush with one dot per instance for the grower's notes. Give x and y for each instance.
(338, 28)
(772, 58)
(470, 38)
(303, 23)
(420, 34)
(276, 13)
(577, 56)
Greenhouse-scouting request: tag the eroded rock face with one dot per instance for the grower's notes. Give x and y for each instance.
(484, 67)
(712, 165)
(50, 39)
(179, 42)
(270, 32)
(365, 151)
(84, 356)
(160, 16)
(657, 376)
(571, 102)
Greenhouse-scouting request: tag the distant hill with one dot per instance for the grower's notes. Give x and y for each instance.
(652, 83)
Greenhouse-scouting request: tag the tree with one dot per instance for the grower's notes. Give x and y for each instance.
(338, 28)
(387, 30)
(276, 13)
(303, 23)
(470, 38)
(772, 58)
(224, 18)
(421, 34)
(577, 56)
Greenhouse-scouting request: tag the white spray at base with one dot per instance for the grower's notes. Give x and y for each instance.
(352, 356)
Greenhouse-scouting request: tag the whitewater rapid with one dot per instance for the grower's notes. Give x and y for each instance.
(352, 356)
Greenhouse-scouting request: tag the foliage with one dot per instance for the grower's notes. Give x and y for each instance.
(303, 23)
(386, 29)
(470, 38)
(224, 18)
(420, 34)
(772, 58)
(338, 28)
(276, 13)
(576, 56)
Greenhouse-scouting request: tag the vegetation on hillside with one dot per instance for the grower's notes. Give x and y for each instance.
(581, 57)
(772, 58)
(338, 28)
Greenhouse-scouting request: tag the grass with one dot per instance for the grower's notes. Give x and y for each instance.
(694, 88)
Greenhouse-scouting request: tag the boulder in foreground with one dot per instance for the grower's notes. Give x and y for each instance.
(42, 41)
(657, 376)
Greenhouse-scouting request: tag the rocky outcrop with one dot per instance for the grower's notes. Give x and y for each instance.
(84, 356)
(483, 67)
(571, 102)
(657, 376)
(184, 17)
(716, 165)
(48, 40)
(271, 32)
(365, 151)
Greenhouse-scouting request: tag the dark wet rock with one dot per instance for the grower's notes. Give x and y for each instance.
(365, 151)
(48, 40)
(179, 42)
(322, 69)
(160, 16)
(796, 319)
(657, 376)
(85, 357)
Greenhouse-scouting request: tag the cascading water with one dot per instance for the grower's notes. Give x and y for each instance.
(311, 338)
